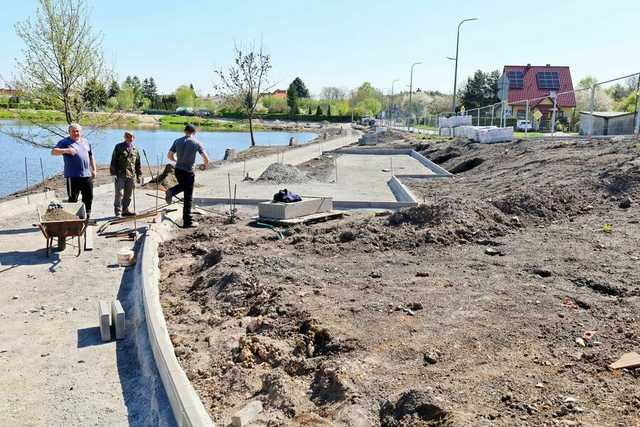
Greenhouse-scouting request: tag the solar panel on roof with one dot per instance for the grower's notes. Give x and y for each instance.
(548, 80)
(516, 79)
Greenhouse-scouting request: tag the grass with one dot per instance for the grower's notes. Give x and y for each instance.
(178, 123)
(41, 116)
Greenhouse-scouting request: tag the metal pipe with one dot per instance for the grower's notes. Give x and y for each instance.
(44, 188)
(455, 74)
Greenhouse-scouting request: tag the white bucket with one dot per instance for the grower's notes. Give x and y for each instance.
(126, 257)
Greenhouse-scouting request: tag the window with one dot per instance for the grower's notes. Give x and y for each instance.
(515, 79)
(548, 80)
(522, 114)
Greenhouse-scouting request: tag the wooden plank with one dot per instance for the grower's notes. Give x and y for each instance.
(628, 360)
(117, 313)
(89, 234)
(104, 315)
(307, 219)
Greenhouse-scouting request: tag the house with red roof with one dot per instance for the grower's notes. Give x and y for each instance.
(279, 93)
(538, 85)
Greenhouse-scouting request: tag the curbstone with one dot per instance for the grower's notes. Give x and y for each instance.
(104, 316)
(118, 316)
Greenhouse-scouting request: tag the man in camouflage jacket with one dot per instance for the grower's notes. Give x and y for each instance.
(125, 167)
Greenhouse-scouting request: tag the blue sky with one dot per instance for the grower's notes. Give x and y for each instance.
(343, 43)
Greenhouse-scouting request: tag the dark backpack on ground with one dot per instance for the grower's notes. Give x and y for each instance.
(286, 196)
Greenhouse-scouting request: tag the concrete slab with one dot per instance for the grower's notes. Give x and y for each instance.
(307, 206)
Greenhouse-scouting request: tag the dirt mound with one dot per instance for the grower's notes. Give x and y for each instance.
(541, 202)
(413, 408)
(281, 173)
(622, 181)
(467, 165)
(166, 178)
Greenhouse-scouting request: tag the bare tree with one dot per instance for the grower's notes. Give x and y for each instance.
(61, 55)
(333, 93)
(246, 79)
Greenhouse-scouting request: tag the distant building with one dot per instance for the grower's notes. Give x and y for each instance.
(537, 84)
(608, 123)
(9, 92)
(279, 93)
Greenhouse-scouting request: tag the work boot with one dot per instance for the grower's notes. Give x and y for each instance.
(127, 212)
(168, 197)
(116, 214)
(191, 224)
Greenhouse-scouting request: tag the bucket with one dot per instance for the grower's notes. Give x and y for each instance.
(126, 257)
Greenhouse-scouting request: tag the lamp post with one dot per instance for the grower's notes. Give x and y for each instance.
(455, 74)
(411, 92)
(391, 101)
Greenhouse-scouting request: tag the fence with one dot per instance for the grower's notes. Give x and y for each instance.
(603, 109)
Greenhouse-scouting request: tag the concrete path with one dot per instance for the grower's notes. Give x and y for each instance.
(54, 370)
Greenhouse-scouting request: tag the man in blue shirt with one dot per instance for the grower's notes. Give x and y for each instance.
(186, 149)
(79, 166)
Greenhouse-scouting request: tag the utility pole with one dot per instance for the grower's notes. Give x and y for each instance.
(391, 103)
(455, 74)
(411, 92)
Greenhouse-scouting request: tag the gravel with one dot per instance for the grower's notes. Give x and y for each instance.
(281, 173)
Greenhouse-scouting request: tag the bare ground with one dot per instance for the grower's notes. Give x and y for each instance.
(499, 301)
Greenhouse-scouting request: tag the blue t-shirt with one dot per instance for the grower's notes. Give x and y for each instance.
(79, 165)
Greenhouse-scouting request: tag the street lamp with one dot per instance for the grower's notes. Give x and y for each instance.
(391, 101)
(455, 74)
(411, 91)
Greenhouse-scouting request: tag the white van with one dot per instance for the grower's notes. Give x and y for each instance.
(524, 125)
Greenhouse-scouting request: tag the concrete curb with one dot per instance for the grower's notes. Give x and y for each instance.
(402, 193)
(187, 407)
(437, 170)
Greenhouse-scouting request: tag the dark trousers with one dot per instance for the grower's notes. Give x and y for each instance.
(84, 186)
(186, 180)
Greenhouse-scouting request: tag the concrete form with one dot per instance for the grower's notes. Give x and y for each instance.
(307, 206)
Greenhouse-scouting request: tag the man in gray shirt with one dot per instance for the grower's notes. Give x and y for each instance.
(186, 148)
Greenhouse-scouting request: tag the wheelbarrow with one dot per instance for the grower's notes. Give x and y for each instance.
(61, 229)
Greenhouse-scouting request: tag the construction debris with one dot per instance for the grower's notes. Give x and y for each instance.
(628, 361)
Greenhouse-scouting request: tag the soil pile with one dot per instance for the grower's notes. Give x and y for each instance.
(166, 178)
(280, 173)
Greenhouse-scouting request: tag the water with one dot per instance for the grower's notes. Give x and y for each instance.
(156, 143)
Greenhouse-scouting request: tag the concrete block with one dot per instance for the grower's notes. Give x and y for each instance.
(118, 316)
(307, 206)
(89, 237)
(104, 315)
(246, 414)
(489, 136)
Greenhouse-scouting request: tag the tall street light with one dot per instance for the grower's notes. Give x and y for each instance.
(411, 91)
(455, 75)
(391, 101)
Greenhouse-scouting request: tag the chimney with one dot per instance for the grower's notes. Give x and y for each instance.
(548, 65)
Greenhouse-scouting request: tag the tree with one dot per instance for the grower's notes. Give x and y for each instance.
(149, 89)
(292, 99)
(114, 88)
(246, 79)
(480, 90)
(602, 102)
(332, 93)
(62, 53)
(136, 88)
(309, 112)
(299, 87)
(126, 98)
(329, 110)
(185, 96)
(94, 95)
(318, 111)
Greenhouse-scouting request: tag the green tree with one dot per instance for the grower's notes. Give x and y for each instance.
(125, 98)
(136, 89)
(292, 99)
(94, 95)
(319, 111)
(149, 89)
(185, 96)
(300, 89)
(480, 90)
(114, 88)
(309, 112)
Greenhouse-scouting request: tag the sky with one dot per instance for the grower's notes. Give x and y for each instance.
(344, 43)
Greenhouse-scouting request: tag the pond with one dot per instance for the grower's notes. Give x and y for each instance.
(155, 142)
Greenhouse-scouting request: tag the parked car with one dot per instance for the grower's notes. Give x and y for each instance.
(524, 125)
